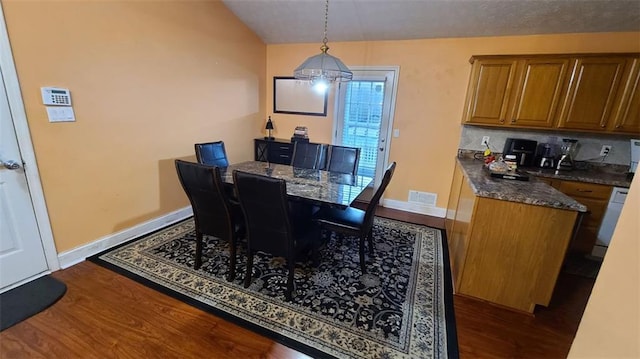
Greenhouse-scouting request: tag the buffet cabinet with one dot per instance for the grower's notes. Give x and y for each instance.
(275, 151)
(591, 93)
(504, 252)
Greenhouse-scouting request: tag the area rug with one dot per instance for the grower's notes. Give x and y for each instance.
(29, 299)
(402, 308)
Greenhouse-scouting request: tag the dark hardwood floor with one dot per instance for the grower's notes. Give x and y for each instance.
(105, 315)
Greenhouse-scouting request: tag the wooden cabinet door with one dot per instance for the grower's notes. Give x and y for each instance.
(627, 114)
(592, 92)
(454, 195)
(595, 197)
(538, 91)
(489, 89)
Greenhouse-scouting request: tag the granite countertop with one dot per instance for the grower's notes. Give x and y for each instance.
(533, 192)
(611, 175)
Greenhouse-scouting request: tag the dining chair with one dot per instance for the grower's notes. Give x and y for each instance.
(307, 155)
(354, 221)
(269, 226)
(213, 211)
(343, 159)
(212, 154)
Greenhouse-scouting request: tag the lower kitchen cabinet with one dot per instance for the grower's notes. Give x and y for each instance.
(595, 197)
(507, 253)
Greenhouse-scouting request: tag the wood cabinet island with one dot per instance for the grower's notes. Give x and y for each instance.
(507, 239)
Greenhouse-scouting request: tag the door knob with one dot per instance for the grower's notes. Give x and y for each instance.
(10, 165)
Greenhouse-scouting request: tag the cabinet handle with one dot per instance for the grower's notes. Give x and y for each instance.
(584, 190)
(513, 120)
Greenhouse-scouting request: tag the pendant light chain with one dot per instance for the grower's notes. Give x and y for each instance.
(323, 68)
(324, 46)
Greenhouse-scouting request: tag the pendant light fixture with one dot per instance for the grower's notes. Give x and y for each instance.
(323, 68)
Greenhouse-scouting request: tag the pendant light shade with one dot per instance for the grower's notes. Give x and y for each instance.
(323, 67)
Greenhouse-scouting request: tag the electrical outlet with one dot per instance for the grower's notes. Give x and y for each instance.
(606, 149)
(485, 141)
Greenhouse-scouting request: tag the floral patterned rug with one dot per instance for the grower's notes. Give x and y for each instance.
(396, 310)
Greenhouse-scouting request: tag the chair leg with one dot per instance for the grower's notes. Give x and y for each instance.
(370, 237)
(292, 266)
(363, 264)
(247, 277)
(232, 260)
(198, 259)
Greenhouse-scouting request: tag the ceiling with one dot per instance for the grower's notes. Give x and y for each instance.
(296, 21)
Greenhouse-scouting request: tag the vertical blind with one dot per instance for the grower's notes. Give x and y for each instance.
(362, 120)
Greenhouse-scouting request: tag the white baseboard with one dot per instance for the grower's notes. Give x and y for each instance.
(79, 254)
(415, 208)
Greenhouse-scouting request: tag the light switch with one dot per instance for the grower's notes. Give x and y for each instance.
(60, 114)
(396, 132)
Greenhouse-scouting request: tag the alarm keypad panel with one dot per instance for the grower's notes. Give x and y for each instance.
(56, 96)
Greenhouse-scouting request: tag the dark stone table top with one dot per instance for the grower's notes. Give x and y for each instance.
(533, 192)
(321, 187)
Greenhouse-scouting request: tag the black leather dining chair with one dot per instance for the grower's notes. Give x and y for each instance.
(354, 221)
(212, 154)
(343, 159)
(269, 226)
(213, 212)
(308, 155)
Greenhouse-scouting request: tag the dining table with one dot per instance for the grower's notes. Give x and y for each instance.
(318, 187)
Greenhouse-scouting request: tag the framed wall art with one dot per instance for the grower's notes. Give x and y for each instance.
(298, 97)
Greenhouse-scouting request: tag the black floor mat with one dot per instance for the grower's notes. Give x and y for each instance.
(29, 299)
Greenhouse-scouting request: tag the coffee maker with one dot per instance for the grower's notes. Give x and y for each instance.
(546, 155)
(523, 150)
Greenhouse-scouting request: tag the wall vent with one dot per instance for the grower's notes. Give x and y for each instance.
(426, 198)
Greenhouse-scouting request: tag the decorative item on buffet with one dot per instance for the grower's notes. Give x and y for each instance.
(300, 134)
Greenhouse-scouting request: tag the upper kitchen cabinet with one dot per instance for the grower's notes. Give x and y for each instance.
(592, 92)
(538, 91)
(515, 91)
(576, 92)
(627, 112)
(489, 91)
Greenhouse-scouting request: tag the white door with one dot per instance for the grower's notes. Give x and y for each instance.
(21, 253)
(364, 117)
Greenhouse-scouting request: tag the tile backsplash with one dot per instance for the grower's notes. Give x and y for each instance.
(588, 149)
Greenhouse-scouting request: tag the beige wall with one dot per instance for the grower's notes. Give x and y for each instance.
(431, 91)
(610, 326)
(148, 79)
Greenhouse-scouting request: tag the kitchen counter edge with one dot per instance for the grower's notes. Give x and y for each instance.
(533, 192)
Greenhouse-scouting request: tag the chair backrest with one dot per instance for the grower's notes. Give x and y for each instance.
(343, 159)
(266, 211)
(307, 155)
(371, 208)
(212, 154)
(205, 190)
